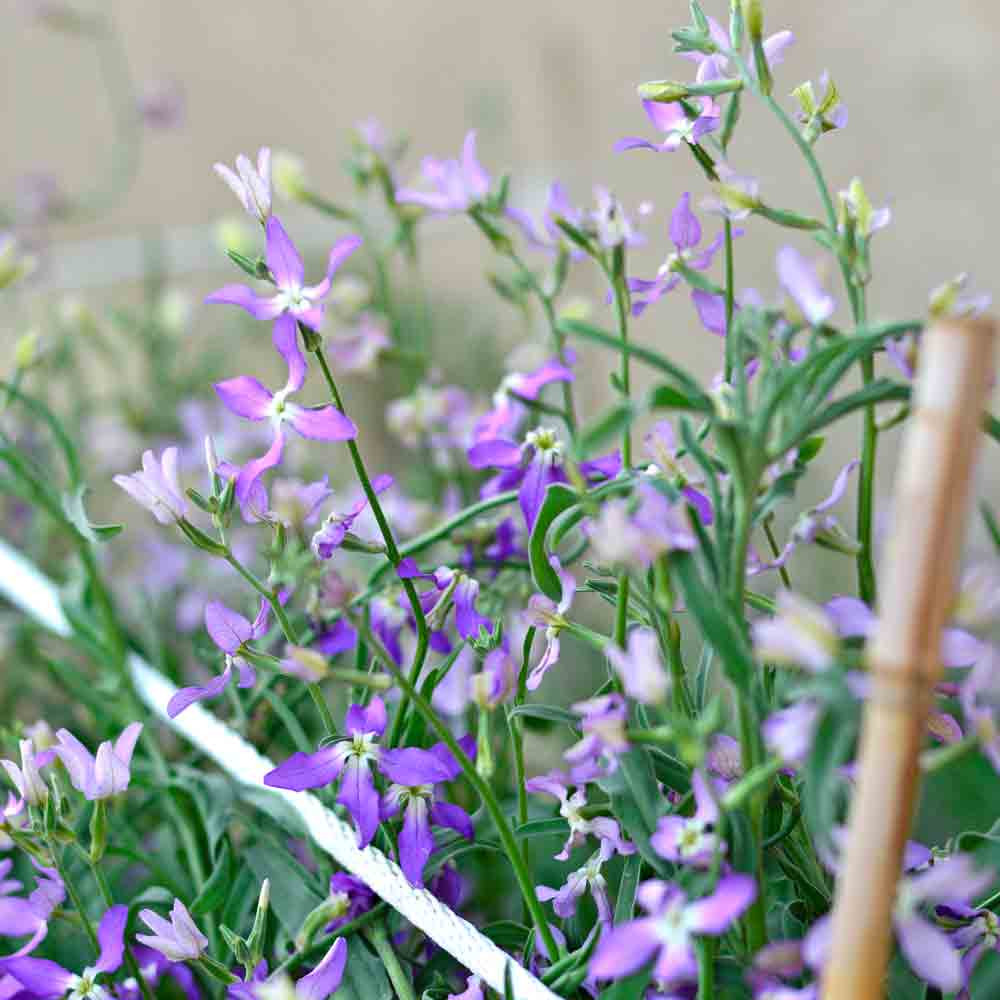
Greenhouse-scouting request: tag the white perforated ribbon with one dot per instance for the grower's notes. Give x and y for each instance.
(23, 585)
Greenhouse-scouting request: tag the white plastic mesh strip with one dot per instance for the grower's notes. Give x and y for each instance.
(23, 585)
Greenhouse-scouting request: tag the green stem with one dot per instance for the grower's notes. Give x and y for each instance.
(71, 890)
(706, 968)
(776, 551)
(482, 787)
(866, 493)
(617, 278)
(730, 292)
(379, 940)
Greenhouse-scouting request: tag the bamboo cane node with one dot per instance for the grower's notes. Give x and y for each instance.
(894, 688)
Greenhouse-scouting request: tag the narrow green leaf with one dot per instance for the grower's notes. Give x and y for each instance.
(558, 498)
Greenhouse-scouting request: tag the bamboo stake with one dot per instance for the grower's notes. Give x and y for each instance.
(931, 499)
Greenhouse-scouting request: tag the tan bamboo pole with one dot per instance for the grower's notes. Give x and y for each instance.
(916, 588)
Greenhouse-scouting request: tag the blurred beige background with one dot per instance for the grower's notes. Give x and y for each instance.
(550, 85)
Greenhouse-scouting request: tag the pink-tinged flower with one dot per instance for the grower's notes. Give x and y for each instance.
(252, 185)
(800, 634)
(685, 234)
(27, 778)
(667, 933)
(640, 667)
(589, 877)
(602, 721)
(455, 185)
(230, 632)
(799, 279)
(156, 487)
(247, 398)
(293, 298)
(102, 776)
(48, 980)
(356, 351)
(416, 776)
(351, 759)
(676, 124)
(691, 840)
(716, 65)
(177, 939)
(334, 529)
(543, 612)
(788, 733)
(571, 806)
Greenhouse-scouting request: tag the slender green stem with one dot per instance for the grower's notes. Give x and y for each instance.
(706, 968)
(511, 846)
(730, 294)
(379, 940)
(776, 551)
(74, 895)
(866, 482)
(318, 948)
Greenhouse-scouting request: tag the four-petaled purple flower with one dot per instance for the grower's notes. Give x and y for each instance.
(156, 487)
(691, 840)
(415, 775)
(230, 631)
(293, 298)
(666, 934)
(676, 124)
(588, 877)
(106, 774)
(248, 398)
(334, 529)
(178, 938)
(350, 759)
(456, 185)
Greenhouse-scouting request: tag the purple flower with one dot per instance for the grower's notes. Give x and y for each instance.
(356, 350)
(349, 759)
(456, 185)
(153, 967)
(415, 775)
(716, 65)
(334, 529)
(588, 877)
(230, 632)
(505, 417)
(612, 224)
(157, 487)
(666, 933)
(676, 124)
(497, 681)
(661, 445)
(800, 633)
(27, 778)
(473, 990)
(301, 302)
(978, 603)
(548, 235)
(47, 980)
(350, 894)
(685, 234)
(799, 279)
(247, 398)
(735, 195)
(602, 720)
(818, 115)
(951, 299)
(23, 916)
(325, 979)
(252, 185)
(178, 939)
(724, 759)
(976, 931)
(789, 731)
(640, 667)
(691, 840)
(543, 612)
(980, 696)
(557, 784)
(106, 774)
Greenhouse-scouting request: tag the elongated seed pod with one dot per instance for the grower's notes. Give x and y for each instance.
(916, 589)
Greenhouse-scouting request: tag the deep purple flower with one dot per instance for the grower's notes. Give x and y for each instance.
(451, 587)
(640, 667)
(976, 931)
(47, 980)
(667, 933)
(294, 299)
(350, 894)
(156, 487)
(334, 529)
(177, 939)
(248, 398)
(691, 840)
(799, 279)
(676, 124)
(349, 759)
(456, 185)
(578, 882)
(571, 806)
(415, 775)
(106, 774)
(230, 632)
(252, 185)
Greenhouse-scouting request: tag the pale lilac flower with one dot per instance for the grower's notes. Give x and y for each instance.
(548, 235)
(685, 234)
(691, 840)
(335, 528)
(571, 806)
(788, 733)
(716, 65)
(252, 185)
(800, 634)
(612, 224)
(293, 298)
(229, 631)
(351, 759)
(248, 398)
(156, 487)
(27, 778)
(47, 980)
(666, 934)
(497, 681)
(290, 502)
(438, 417)
(355, 351)
(978, 602)
(177, 939)
(661, 446)
(799, 279)
(724, 759)
(545, 613)
(640, 667)
(980, 697)
(676, 124)
(456, 185)
(415, 775)
(24, 916)
(505, 417)
(602, 720)
(589, 877)
(102, 776)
